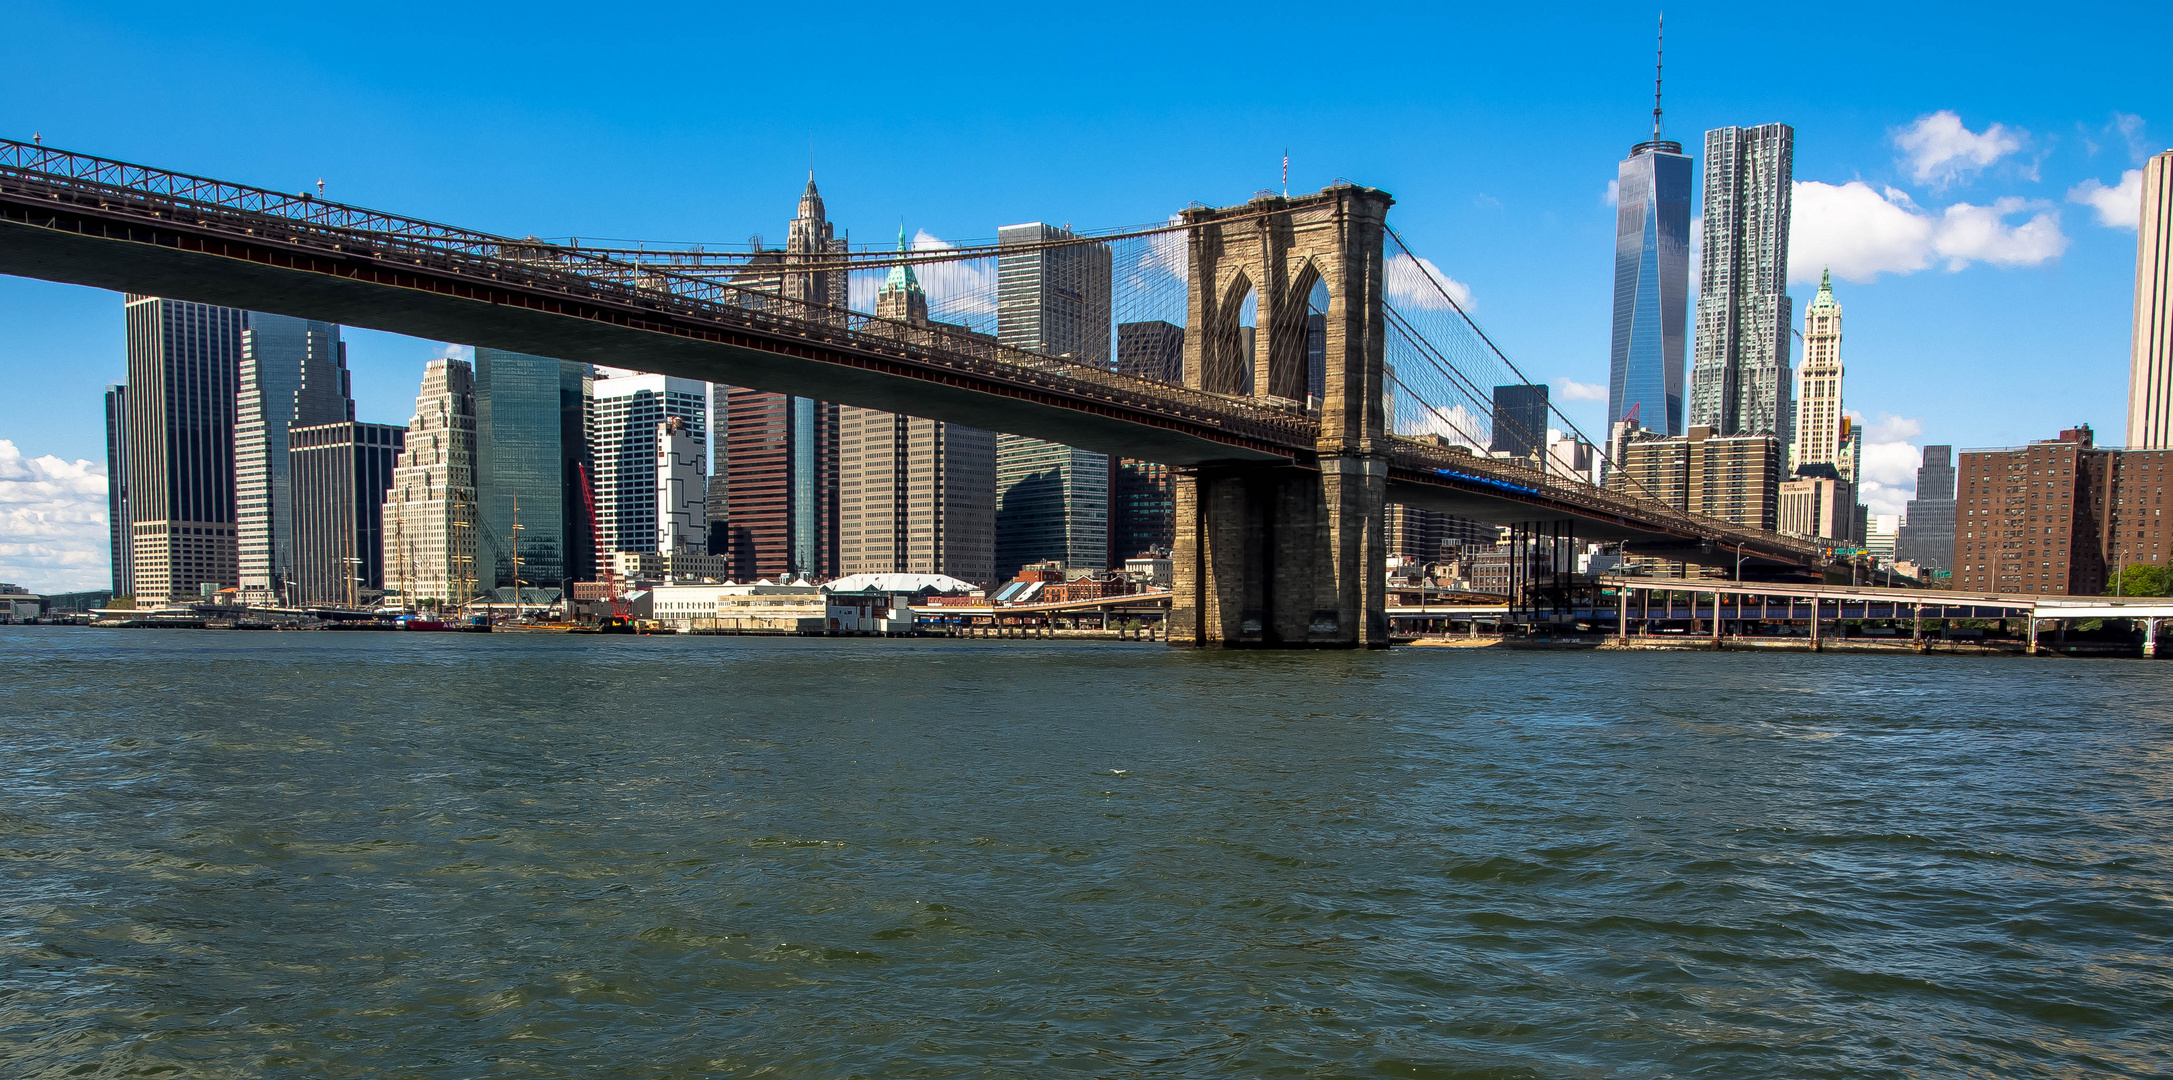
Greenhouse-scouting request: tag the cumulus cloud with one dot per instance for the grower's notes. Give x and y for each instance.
(1890, 462)
(1420, 284)
(449, 351)
(52, 522)
(2118, 206)
(1457, 423)
(1860, 233)
(1940, 150)
(1613, 195)
(1572, 390)
(957, 291)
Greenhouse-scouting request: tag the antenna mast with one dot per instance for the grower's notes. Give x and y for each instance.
(1659, 56)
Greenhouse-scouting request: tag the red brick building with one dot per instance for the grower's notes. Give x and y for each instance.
(2060, 516)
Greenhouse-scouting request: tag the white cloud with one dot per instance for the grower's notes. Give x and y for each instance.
(957, 291)
(2117, 207)
(1572, 390)
(1419, 283)
(1890, 462)
(449, 351)
(1860, 233)
(1940, 150)
(1613, 195)
(52, 522)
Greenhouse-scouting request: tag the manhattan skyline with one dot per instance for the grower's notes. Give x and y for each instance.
(1946, 203)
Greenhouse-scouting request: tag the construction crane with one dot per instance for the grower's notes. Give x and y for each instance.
(622, 616)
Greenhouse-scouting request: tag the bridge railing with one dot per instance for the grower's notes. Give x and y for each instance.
(1575, 494)
(312, 223)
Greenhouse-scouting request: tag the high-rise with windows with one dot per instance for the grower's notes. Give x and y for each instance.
(1820, 422)
(1740, 384)
(531, 442)
(783, 486)
(1052, 501)
(1926, 537)
(1652, 284)
(2150, 371)
(430, 516)
(626, 415)
(184, 363)
(293, 374)
(914, 495)
(1520, 420)
(338, 475)
(117, 513)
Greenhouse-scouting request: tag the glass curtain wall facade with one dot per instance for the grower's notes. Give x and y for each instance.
(338, 475)
(1741, 384)
(117, 514)
(1052, 501)
(184, 364)
(293, 374)
(530, 433)
(1652, 287)
(1520, 420)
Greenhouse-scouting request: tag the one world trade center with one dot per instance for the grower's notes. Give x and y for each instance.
(1652, 284)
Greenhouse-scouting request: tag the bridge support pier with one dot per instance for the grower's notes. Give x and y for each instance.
(1288, 556)
(2150, 638)
(1282, 557)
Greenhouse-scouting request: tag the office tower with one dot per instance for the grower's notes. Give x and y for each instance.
(1142, 509)
(431, 529)
(625, 416)
(781, 451)
(1652, 284)
(184, 361)
(1520, 420)
(681, 484)
(1881, 535)
(530, 443)
(1819, 419)
(2045, 518)
(1733, 478)
(2150, 370)
(1151, 350)
(293, 374)
(782, 486)
(811, 243)
(1817, 504)
(1570, 456)
(1052, 501)
(901, 297)
(117, 511)
(338, 475)
(1740, 382)
(915, 496)
(717, 503)
(1927, 532)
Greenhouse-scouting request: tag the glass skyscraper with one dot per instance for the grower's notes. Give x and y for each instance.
(1652, 286)
(1052, 501)
(529, 438)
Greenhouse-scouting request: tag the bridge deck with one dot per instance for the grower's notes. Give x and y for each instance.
(92, 221)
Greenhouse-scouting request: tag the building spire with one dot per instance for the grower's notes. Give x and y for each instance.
(1659, 55)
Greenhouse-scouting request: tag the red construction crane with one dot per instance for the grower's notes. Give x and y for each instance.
(619, 611)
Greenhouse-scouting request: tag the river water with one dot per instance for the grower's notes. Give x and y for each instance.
(345, 855)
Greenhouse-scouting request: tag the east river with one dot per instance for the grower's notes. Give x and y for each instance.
(232, 854)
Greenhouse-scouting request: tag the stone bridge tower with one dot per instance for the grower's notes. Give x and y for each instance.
(1288, 556)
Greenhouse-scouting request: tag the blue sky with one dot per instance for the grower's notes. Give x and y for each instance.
(1985, 304)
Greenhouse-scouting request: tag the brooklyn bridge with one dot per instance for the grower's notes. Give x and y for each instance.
(1287, 450)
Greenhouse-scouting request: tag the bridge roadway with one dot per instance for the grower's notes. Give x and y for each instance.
(108, 224)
